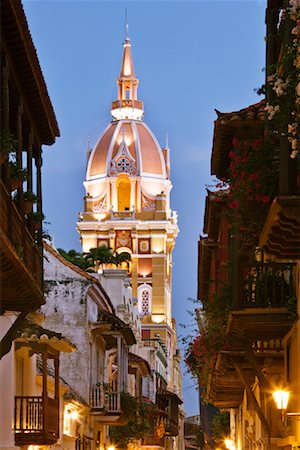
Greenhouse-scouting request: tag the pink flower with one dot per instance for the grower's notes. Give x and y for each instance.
(235, 142)
(234, 204)
(253, 176)
(265, 198)
(232, 154)
(256, 143)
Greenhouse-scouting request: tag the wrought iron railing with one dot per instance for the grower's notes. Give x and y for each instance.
(267, 285)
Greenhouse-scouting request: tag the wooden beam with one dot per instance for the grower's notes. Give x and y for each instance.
(12, 333)
(251, 395)
(257, 369)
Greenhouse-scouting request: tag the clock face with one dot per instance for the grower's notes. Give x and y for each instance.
(123, 165)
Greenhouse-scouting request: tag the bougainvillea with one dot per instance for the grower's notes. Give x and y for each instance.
(202, 351)
(252, 180)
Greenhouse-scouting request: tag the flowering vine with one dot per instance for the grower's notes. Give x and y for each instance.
(202, 351)
(284, 109)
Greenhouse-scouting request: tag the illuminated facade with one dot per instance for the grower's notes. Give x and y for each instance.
(127, 207)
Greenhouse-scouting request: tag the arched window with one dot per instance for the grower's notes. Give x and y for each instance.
(124, 189)
(145, 299)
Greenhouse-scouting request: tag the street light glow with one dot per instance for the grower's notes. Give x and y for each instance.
(281, 398)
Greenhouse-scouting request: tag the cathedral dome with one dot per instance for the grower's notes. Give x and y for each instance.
(127, 146)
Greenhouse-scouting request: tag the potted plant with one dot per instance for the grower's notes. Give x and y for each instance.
(37, 219)
(16, 175)
(8, 145)
(29, 199)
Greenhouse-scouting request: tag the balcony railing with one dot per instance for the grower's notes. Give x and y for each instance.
(156, 344)
(267, 285)
(102, 398)
(127, 104)
(83, 443)
(117, 215)
(36, 422)
(21, 260)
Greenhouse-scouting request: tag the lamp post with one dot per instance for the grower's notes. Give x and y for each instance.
(281, 398)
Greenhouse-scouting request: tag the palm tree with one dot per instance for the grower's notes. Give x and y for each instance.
(96, 257)
(74, 257)
(118, 258)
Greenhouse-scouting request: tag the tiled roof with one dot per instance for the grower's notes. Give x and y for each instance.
(31, 332)
(77, 269)
(244, 123)
(139, 360)
(117, 324)
(252, 112)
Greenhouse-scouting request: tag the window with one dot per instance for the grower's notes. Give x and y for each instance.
(145, 298)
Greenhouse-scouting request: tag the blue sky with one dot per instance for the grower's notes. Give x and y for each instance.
(190, 57)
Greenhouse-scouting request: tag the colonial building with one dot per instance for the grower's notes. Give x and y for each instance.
(30, 400)
(127, 207)
(249, 257)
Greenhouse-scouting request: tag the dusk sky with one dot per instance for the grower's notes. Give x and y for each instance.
(190, 57)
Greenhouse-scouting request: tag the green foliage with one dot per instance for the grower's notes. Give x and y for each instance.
(221, 425)
(8, 142)
(15, 172)
(292, 308)
(74, 257)
(202, 351)
(118, 258)
(96, 257)
(136, 427)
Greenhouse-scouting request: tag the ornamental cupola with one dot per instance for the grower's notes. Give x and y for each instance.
(127, 106)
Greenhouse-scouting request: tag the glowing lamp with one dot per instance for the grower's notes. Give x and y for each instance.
(158, 318)
(229, 444)
(111, 447)
(74, 415)
(281, 399)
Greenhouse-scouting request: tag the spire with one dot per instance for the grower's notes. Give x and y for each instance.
(127, 69)
(127, 106)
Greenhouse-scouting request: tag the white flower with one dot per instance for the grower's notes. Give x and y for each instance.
(298, 89)
(279, 87)
(294, 144)
(272, 110)
(292, 128)
(297, 62)
(296, 30)
(294, 154)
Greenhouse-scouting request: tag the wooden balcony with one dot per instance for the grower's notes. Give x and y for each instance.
(21, 260)
(152, 441)
(225, 388)
(281, 233)
(105, 405)
(36, 421)
(261, 309)
(168, 403)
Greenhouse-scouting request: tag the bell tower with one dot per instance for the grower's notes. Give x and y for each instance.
(127, 206)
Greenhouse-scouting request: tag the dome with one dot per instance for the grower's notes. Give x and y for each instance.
(127, 146)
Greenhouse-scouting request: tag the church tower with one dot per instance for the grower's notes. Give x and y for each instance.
(127, 207)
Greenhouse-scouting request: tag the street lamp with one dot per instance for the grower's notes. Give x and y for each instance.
(229, 444)
(281, 399)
